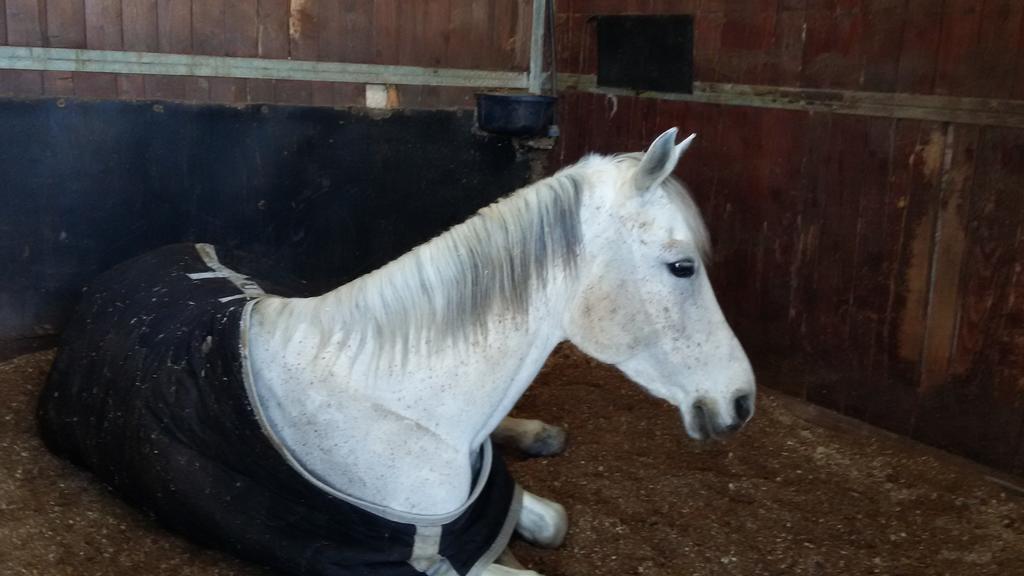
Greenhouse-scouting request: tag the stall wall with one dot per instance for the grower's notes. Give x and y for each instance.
(871, 261)
(463, 34)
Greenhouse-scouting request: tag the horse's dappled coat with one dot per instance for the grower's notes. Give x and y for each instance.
(150, 390)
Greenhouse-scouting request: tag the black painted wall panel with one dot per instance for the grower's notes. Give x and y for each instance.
(326, 194)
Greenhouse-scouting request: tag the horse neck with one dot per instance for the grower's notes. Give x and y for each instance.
(459, 389)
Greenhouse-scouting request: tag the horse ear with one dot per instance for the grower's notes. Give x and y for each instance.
(660, 159)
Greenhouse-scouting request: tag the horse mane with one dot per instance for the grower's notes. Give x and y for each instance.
(446, 289)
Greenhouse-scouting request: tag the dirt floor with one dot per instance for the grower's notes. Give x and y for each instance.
(797, 492)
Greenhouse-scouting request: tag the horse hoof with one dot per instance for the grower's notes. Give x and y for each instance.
(548, 442)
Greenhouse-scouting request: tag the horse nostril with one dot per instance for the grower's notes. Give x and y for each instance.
(742, 404)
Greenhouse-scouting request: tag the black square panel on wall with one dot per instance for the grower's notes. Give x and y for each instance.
(645, 53)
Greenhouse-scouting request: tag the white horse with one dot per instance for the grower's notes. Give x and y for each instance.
(387, 388)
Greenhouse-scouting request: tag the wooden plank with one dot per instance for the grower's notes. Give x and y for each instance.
(174, 35)
(979, 410)
(131, 86)
(273, 39)
(414, 42)
(330, 33)
(293, 92)
(241, 28)
(385, 28)
(197, 89)
(916, 166)
(836, 199)
(21, 83)
(998, 49)
(785, 61)
(303, 29)
(784, 134)
(567, 51)
(65, 24)
(482, 18)
(503, 40)
(103, 24)
(140, 31)
(961, 25)
(95, 85)
(832, 50)
(920, 47)
(524, 20)
(588, 44)
(947, 255)
(165, 88)
(459, 49)
(875, 255)
(707, 32)
(323, 94)
(259, 91)
(208, 27)
(349, 95)
(58, 84)
(24, 25)
(360, 31)
(884, 22)
(103, 31)
(748, 31)
(227, 90)
(3, 22)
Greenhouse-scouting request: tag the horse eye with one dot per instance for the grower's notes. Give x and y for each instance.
(684, 268)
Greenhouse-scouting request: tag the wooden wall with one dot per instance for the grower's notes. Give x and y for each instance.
(872, 265)
(433, 33)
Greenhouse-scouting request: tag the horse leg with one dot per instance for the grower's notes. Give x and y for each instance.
(541, 521)
(533, 437)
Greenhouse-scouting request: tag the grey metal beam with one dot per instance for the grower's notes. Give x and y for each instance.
(117, 62)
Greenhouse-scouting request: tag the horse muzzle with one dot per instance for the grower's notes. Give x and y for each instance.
(705, 421)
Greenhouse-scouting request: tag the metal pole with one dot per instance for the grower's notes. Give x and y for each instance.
(536, 79)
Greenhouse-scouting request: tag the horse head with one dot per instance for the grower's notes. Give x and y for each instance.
(644, 301)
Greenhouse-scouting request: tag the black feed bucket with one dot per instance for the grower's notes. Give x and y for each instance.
(515, 114)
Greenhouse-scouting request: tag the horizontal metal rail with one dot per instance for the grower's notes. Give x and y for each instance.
(117, 62)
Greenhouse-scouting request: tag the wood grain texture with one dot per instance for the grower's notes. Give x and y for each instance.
(273, 40)
(303, 29)
(174, 18)
(385, 30)
(920, 47)
(884, 24)
(95, 85)
(241, 28)
(131, 86)
(208, 27)
(103, 25)
(227, 90)
(65, 23)
(3, 22)
(293, 92)
(140, 30)
(25, 23)
(832, 50)
(359, 31)
(21, 83)
(748, 32)
(980, 409)
(58, 84)
(330, 32)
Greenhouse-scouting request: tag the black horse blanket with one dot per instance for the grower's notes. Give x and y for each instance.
(149, 391)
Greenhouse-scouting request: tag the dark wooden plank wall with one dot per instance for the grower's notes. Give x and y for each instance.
(443, 33)
(871, 265)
